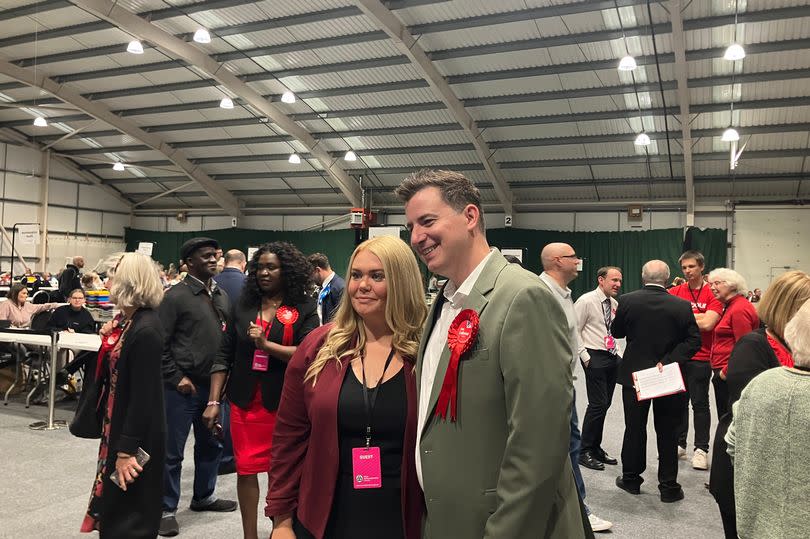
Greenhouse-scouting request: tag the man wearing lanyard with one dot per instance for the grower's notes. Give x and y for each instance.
(600, 360)
(495, 399)
(697, 372)
(331, 284)
(194, 315)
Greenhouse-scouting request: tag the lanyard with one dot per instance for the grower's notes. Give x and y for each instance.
(369, 404)
(695, 298)
(260, 318)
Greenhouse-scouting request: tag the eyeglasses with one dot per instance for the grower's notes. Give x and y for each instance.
(574, 256)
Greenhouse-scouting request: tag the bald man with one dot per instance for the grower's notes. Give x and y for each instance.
(70, 278)
(660, 329)
(560, 263)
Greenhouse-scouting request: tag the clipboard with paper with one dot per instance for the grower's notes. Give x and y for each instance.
(652, 383)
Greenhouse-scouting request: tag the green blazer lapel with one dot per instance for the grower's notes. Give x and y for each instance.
(477, 301)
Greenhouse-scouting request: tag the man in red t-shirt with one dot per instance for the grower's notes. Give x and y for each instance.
(697, 372)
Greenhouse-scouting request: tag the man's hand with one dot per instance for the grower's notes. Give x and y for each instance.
(186, 386)
(722, 375)
(660, 367)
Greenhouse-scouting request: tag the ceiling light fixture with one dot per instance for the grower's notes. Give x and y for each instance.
(643, 139)
(350, 156)
(226, 103)
(730, 135)
(118, 166)
(39, 121)
(202, 36)
(628, 63)
(288, 97)
(135, 47)
(734, 52)
(295, 159)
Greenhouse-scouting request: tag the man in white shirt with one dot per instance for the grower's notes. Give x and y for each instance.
(599, 355)
(496, 468)
(560, 267)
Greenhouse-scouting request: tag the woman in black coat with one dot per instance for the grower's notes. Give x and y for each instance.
(754, 353)
(134, 418)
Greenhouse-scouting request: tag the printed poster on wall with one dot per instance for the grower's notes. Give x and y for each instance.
(28, 234)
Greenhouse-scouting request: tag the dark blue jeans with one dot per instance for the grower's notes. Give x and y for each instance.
(183, 411)
(574, 445)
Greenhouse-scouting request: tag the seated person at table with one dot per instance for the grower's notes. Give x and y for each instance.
(18, 311)
(73, 318)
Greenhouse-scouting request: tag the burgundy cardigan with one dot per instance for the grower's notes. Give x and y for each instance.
(305, 452)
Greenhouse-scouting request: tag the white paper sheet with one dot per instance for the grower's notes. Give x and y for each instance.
(650, 383)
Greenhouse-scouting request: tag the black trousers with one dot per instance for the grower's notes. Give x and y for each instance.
(667, 417)
(720, 394)
(600, 381)
(697, 374)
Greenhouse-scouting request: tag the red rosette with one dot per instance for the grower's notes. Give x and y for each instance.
(287, 316)
(460, 338)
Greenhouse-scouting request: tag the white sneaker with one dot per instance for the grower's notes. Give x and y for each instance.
(681, 452)
(701, 460)
(599, 525)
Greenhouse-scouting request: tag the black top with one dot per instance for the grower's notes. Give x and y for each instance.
(658, 327)
(69, 280)
(65, 317)
(193, 322)
(369, 513)
(236, 354)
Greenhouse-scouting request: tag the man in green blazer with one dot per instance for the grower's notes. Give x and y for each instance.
(500, 468)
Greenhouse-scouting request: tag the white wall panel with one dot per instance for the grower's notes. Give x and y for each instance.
(114, 223)
(597, 221)
(22, 187)
(297, 222)
(18, 213)
(157, 224)
(62, 193)
(58, 170)
(191, 225)
(769, 240)
(93, 197)
(541, 221)
(89, 222)
(215, 222)
(61, 219)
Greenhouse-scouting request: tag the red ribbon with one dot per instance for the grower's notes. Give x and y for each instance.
(460, 339)
(287, 316)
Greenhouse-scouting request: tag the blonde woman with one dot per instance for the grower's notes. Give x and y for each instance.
(134, 420)
(349, 399)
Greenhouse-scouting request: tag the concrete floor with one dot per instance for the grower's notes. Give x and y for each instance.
(47, 477)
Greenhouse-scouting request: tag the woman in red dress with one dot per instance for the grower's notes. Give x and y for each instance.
(267, 322)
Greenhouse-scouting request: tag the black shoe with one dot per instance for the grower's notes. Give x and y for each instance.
(604, 458)
(219, 506)
(628, 487)
(227, 468)
(168, 527)
(669, 496)
(587, 459)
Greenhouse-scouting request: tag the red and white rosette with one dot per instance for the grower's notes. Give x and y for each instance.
(460, 339)
(287, 316)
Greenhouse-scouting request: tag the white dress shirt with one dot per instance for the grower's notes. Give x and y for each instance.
(454, 304)
(563, 296)
(591, 321)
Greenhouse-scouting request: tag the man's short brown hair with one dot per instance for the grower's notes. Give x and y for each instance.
(603, 271)
(457, 191)
(697, 256)
(319, 260)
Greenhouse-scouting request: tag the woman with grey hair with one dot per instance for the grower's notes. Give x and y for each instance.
(766, 440)
(739, 318)
(125, 501)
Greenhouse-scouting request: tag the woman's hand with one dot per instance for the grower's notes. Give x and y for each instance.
(722, 375)
(127, 468)
(211, 416)
(257, 334)
(108, 327)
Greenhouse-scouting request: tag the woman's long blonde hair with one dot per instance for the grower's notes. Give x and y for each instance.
(405, 308)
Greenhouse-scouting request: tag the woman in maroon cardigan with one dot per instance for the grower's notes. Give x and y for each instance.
(739, 318)
(343, 447)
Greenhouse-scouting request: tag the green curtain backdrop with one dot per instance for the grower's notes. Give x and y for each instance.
(628, 250)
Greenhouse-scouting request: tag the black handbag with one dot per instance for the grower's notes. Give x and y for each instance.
(89, 417)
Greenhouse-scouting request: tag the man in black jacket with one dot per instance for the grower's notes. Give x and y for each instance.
(194, 316)
(660, 329)
(70, 278)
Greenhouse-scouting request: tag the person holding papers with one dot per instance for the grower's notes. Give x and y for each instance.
(660, 329)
